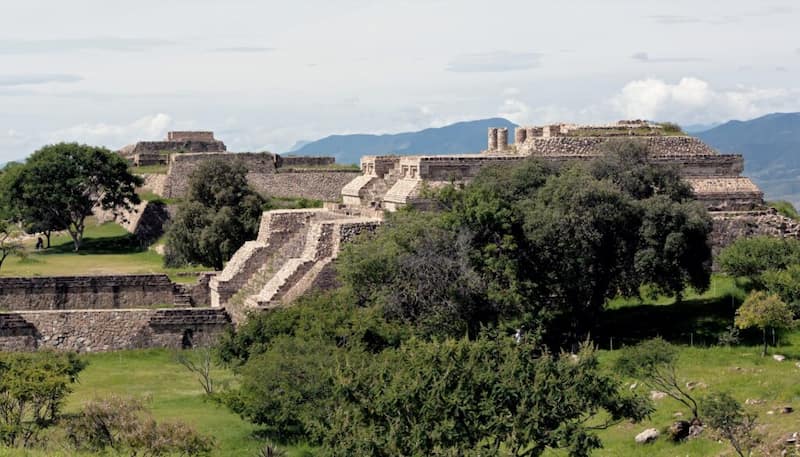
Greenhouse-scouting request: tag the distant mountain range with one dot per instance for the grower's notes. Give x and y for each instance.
(461, 137)
(771, 148)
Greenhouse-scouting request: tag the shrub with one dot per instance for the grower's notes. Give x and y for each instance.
(33, 388)
(125, 425)
(764, 311)
(727, 417)
(750, 257)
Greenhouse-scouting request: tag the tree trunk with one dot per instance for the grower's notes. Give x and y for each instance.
(47, 234)
(764, 333)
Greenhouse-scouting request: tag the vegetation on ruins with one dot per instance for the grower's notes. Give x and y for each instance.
(764, 311)
(546, 247)
(785, 208)
(220, 213)
(60, 185)
(33, 388)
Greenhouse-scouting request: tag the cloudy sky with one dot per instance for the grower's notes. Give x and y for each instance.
(265, 74)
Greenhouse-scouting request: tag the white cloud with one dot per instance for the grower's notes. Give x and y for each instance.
(152, 127)
(34, 79)
(80, 44)
(492, 62)
(694, 100)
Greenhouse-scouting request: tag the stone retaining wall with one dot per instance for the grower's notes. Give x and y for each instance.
(110, 330)
(85, 292)
(269, 174)
(181, 167)
(325, 185)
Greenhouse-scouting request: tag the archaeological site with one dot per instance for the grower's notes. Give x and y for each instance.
(295, 250)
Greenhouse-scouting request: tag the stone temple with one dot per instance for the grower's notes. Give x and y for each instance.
(296, 249)
(389, 182)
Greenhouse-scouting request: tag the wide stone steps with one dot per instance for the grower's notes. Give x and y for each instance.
(273, 286)
(189, 317)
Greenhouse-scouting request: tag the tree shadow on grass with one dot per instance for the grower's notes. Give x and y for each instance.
(121, 244)
(698, 322)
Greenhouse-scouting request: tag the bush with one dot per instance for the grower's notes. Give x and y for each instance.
(750, 257)
(125, 425)
(33, 388)
(727, 417)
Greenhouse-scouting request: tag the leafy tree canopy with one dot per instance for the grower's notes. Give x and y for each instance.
(221, 213)
(60, 184)
(543, 245)
(764, 311)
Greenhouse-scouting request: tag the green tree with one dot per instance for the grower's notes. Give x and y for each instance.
(537, 244)
(786, 284)
(59, 186)
(727, 417)
(472, 397)
(419, 272)
(220, 213)
(764, 311)
(9, 243)
(654, 363)
(34, 218)
(33, 388)
(750, 257)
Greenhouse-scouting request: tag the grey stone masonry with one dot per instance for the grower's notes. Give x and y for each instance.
(109, 330)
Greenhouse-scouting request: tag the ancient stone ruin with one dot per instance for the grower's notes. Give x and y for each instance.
(144, 153)
(295, 250)
(735, 202)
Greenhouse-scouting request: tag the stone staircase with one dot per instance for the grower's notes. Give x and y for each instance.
(299, 245)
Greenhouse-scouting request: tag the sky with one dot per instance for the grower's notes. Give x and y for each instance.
(264, 74)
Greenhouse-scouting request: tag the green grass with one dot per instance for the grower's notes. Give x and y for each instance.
(150, 170)
(174, 395)
(107, 249)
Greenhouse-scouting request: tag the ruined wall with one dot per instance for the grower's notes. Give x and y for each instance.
(323, 185)
(181, 167)
(730, 226)
(303, 161)
(583, 146)
(109, 330)
(191, 136)
(154, 147)
(85, 292)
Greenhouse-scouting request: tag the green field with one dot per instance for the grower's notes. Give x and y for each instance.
(107, 249)
(176, 395)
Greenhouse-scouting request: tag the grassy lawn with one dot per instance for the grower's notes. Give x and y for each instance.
(150, 170)
(173, 394)
(107, 249)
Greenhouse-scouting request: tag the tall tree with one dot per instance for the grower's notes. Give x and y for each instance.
(60, 185)
(33, 218)
(220, 213)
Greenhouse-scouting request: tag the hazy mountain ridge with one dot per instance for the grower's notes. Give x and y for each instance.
(461, 137)
(771, 148)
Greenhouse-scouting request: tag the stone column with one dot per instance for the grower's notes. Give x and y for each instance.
(492, 139)
(502, 139)
(520, 134)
